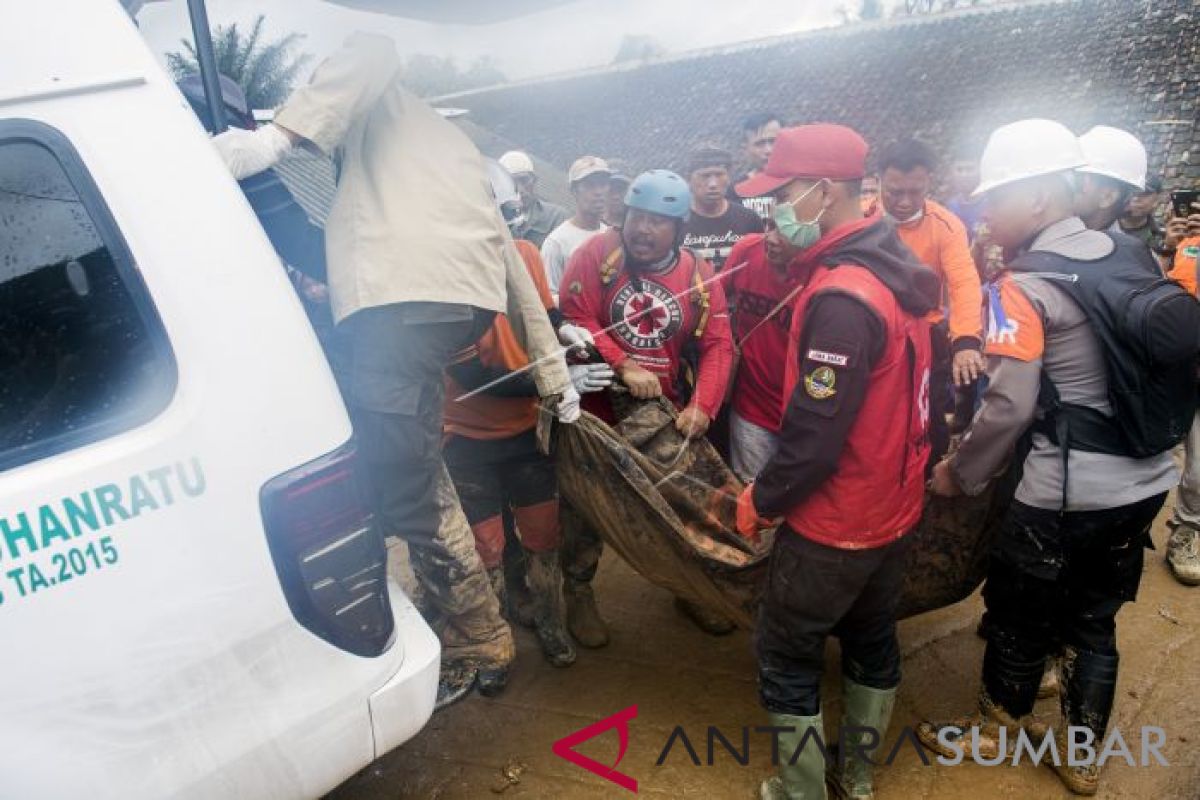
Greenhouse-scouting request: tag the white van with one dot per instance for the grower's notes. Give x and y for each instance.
(193, 599)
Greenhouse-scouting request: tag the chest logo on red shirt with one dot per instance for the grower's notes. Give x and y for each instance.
(647, 319)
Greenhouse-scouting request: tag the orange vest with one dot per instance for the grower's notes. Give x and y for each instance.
(484, 416)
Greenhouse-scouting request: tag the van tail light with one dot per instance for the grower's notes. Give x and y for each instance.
(328, 553)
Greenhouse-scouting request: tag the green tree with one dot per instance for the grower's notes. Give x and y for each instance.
(266, 71)
(430, 76)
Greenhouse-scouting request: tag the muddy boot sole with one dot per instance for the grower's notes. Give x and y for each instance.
(1083, 781)
(492, 680)
(454, 683)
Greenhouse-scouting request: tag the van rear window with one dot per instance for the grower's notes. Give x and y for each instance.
(82, 353)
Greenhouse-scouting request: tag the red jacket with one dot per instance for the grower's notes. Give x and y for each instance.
(849, 469)
(653, 325)
(755, 290)
(877, 491)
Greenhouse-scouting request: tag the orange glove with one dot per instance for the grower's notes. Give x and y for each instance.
(749, 523)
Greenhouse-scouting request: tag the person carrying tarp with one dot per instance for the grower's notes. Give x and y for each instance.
(491, 450)
(419, 263)
(656, 314)
(848, 472)
(1091, 358)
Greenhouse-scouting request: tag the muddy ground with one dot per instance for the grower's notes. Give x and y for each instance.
(678, 676)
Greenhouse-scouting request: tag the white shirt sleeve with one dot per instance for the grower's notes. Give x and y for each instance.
(555, 263)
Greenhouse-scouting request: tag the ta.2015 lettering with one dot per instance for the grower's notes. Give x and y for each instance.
(63, 566)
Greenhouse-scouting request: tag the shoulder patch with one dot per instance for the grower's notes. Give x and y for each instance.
(820, 384)
(1191, 252)
(1014, 328)
(575, 288)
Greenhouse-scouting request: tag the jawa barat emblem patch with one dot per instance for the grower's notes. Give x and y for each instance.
(820, 383)
(646, 319)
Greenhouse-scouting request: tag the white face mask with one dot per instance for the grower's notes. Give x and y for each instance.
(915, 217)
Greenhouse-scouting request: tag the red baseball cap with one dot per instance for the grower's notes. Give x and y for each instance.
(822, 150)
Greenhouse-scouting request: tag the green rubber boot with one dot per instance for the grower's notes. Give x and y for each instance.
(803, 779)
(864, 708)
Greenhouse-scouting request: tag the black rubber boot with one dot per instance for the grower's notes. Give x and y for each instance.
(1010, 676)
(1089, 686)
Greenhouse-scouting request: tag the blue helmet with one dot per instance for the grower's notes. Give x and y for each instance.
(660, 191)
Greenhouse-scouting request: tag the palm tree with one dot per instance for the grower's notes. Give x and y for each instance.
(266, 71)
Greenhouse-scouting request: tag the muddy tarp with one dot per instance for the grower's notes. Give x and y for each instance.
(667, 507)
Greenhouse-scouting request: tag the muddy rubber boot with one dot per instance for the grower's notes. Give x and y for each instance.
(1050, 685)
(455, 681)
(852, 777)
(1089, 683)
(496, 579)
(583, 619)
(544, 575)
(803, 779)
(1183, 554)
(519, 606)
(987, 734)
(706, 619)
(492, 679)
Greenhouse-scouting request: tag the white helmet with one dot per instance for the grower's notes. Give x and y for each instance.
(504, 192)
(1115, 153)
(516, 162)
(1027, 149)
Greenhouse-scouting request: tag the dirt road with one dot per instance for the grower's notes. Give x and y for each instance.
(678, 676)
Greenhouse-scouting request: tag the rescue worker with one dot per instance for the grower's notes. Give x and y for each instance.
(1183, 546)
(1069, 552)
(760, 287)
(940, 241)
(648, 304)
(848, 475)
(419, 263)
(491, 450)
(541, 216)
(1114, 172)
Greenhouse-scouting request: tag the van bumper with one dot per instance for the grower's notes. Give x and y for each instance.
(402, 706)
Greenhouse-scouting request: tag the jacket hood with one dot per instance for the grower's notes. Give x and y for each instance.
(875, 246)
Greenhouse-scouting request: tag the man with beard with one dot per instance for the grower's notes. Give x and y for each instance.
(651, 308)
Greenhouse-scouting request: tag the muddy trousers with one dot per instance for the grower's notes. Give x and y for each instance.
(509, 474)
(396, 393)
(581, 546)
(1056, 579)
(814, 592)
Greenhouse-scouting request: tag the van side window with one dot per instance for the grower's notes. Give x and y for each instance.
(82, 353)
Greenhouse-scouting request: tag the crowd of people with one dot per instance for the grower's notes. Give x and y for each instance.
(827, 324)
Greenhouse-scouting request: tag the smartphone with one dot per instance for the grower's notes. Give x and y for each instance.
(1183, 202)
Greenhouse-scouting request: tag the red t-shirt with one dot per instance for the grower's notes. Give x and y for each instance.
(755, 289)
(650, 326)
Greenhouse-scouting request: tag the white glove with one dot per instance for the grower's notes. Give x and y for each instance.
(588, 378)
(575, 337)
(568, 406)
(248, 153)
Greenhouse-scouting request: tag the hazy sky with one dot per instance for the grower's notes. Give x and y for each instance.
(581, 34)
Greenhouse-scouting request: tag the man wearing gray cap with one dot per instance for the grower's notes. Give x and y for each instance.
(541, 216)
(589, 177)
